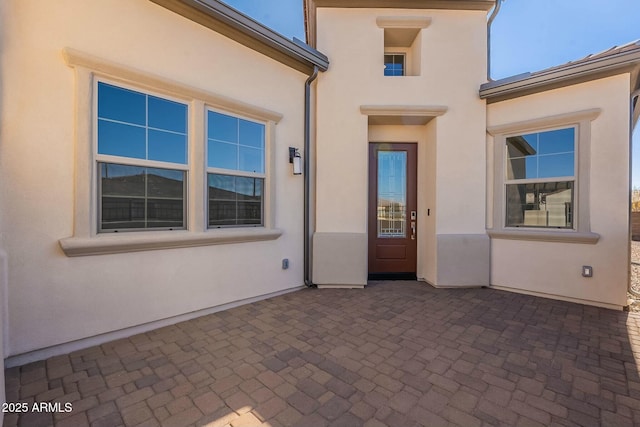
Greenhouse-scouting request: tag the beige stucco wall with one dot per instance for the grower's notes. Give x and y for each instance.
(554, 268)
(3, 256)
(453, 66)
(55, 299)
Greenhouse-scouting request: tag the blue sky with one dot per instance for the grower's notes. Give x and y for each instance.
(527, 35)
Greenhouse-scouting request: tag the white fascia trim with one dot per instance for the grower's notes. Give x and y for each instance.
(65, 348)
(564, 76)
(75, 58)
(124, 242)
(545, 122)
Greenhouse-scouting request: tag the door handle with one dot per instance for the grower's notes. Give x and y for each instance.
(414, 216)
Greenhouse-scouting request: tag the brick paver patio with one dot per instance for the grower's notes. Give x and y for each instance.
(395, 354)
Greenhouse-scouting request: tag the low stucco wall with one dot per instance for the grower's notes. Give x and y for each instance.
(55, 299)
(555, 268)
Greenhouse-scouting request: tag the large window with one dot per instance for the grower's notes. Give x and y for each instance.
(540, 179)
(153, 156)
(236, 170)
(142, 160)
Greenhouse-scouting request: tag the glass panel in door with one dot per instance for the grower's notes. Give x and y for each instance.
(392, 194)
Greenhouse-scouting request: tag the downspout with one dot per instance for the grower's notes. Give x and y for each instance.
(635, 96)
(496, 9)
(307, 178)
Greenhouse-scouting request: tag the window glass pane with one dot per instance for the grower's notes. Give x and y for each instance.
(235, 200)
(547, 205)
(222, 187)
(124, 121)
(557, 141)
(222, 127)
(522, 167)
(165, 203)
(249, 213)
(541, 155)
(521, 146)
(165, 183)
(167, 146)
(122, 180)
(235, 144)
(222, 212)
(222, 200)
(248, 188)
(251, 160)
(392, 193)
(167, 115)
(394, 65)
(553, 165)
(222, 155)
(118, 139)
(251, 134)
(120, 104)
(134, 197)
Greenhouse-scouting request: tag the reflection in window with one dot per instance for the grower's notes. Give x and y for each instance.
(136, 125)
(234, 143)
(392, 193)
(234, 200)
(135, 197)
(394, 64)
(540, 179)
(548, 204)
(142, 130)
(235, 147)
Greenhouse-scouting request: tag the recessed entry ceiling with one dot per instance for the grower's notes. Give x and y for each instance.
(399, 120)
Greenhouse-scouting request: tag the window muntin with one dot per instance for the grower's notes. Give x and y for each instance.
(540, 179)
(236, 171)
(394, 64)
(141, 154)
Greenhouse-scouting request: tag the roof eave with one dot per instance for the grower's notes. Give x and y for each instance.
(311, 5)
(485, 5)
(248, 32)
(529, 83)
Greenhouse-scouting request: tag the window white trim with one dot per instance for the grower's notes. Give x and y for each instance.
(581, 232)
(85, 239)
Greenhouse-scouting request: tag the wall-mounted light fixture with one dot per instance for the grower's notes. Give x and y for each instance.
(294, 157)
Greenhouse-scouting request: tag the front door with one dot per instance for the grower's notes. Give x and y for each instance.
(392, 211)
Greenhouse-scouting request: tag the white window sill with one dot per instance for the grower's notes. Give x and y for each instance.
(546, 236)
(114, 243)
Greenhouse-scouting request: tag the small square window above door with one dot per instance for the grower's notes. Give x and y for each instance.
(394, 64)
